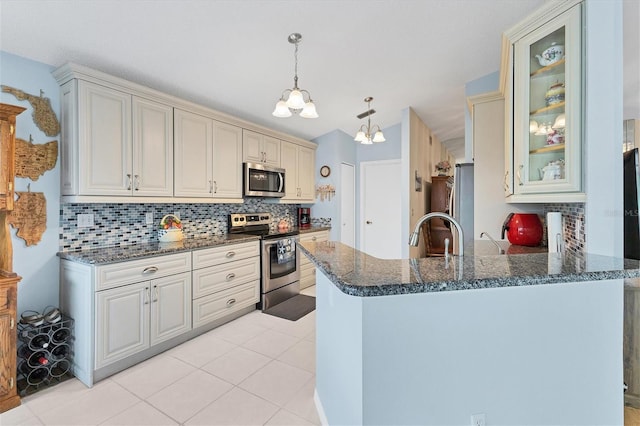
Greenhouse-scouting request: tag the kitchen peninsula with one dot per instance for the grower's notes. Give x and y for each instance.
(520, 339)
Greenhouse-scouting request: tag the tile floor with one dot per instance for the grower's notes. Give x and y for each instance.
(256, 370)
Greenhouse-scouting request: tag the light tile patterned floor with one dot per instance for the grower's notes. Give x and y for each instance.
(256, 370)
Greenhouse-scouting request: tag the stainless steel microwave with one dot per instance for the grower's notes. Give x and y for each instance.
(261, 180)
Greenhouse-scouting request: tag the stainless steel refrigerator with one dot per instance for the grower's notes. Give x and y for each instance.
(631, 173)
(462, 200)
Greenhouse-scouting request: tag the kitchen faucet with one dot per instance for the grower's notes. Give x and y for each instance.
(413, 238)
(500, 249)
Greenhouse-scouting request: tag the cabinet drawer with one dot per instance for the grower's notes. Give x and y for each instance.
(217, 305)
(315, 236)
(225, 253)
(217, 278)
(118, 274)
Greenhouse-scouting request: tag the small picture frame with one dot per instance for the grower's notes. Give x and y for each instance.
(325, 171)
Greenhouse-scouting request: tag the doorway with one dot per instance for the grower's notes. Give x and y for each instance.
(380, 209)
(348, 204)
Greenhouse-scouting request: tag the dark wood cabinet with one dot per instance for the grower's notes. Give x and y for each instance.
(436, 230)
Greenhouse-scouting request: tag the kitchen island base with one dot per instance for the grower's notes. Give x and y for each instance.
(543, 354)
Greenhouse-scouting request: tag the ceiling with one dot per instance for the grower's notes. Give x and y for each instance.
(234, 56)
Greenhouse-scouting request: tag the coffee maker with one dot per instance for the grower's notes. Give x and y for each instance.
(304, 217)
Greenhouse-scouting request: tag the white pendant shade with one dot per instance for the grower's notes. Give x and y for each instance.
(295, 101)
(378, 137)
(309, 111)
(281, 110)
(360, 137)
(364, 134)
(367, 141)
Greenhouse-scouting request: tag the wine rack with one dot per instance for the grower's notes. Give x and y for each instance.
(45, 354)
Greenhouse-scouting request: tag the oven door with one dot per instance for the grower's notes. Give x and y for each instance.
(277, 272)
(263, 181)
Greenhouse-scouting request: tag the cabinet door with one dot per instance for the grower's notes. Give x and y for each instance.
(271, 149)
(252, 147)
(7, 357)
(170, 307)
(193, 155)
(152, 148)
(306, 173)
(289, 162)
(547, 107)
(104, 148)
(227, 161)
(122, 323)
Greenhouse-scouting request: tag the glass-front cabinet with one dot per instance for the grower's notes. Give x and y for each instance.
(546, 125)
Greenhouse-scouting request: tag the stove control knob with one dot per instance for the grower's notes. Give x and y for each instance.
(242, 219)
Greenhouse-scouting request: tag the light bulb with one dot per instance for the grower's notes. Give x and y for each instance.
(379, 137)
(360, 137)
(281, 110)
(309, 110)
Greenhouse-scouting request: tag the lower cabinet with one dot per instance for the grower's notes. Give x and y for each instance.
(136, 316)
(8, 299)
(307, 270)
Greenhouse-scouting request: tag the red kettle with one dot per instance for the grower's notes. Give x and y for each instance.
(523, 229)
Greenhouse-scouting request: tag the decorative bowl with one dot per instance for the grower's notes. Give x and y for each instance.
(170, 229)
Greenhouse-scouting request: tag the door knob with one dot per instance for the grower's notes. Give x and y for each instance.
(369, 222)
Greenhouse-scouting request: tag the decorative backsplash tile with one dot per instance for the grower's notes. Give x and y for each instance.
(571, 212)
(320, 221)
(124, 224)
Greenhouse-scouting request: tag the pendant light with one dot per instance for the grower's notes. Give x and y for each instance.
(364, 134)
(293, 100)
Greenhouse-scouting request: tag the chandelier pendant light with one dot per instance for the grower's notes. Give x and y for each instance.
(368, 135)
(293, 101)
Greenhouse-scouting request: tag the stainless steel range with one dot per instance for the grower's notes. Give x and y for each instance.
(280, 262)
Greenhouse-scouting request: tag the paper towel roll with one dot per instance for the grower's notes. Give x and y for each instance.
(555, 236)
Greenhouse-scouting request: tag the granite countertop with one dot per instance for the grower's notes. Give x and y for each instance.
(314, 229)
(106, 255)
(358, 274)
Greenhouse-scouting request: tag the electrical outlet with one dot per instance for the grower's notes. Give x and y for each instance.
(478, 420)
(149, 218)
(84, 220)
(578, 229)
(177, 214)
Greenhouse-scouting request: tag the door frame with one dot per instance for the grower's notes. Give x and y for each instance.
(342, 212)
(361, 195)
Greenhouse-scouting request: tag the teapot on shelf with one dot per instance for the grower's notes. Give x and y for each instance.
(551, 54)
(553, 171)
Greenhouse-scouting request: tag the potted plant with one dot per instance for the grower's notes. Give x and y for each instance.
(443, 168)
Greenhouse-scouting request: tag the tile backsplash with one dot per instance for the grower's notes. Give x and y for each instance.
(571, 213)
(124, 224)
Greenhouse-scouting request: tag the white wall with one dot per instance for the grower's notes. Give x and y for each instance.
(36, 264)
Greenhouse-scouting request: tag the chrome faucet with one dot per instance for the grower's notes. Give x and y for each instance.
(500, 249)
(413, 238)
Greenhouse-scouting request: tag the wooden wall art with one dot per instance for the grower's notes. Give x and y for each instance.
(29, 216)
(42, 114)
(33, 160)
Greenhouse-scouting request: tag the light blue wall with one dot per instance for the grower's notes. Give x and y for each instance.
(338, 147)
(36, 264)
(488, 83)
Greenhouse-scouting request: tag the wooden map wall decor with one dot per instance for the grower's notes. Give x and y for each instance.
(33, 160)
(43, 115)
(29, 216)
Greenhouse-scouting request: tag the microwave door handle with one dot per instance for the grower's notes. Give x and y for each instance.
(281, 187)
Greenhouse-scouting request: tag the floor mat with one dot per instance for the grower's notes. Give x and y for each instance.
(294, 308)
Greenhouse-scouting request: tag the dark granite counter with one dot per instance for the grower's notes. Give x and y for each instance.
(106, 255)
(358, 274)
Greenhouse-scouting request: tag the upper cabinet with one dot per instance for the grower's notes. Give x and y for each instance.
(259, 148)
(299, 164)
(122, 144)
(8, 115)
(543, 92)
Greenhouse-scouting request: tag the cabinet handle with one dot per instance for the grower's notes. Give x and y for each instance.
(155, 291)
(11, 384)
(215, 186)
(518, 175)
(128, 182)
(146, 295)
(136, 182)
(264, 157)
(230, 276)
(314, 238)
(210, 187)
(12, 324)
(230, 254)
(506, 185)
(230, 302)
(369, 222)
(150, 270)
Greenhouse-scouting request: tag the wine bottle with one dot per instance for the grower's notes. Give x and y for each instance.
(34, 376)
(61, 351)
(39, 341)
(33, 359)
(60, 335)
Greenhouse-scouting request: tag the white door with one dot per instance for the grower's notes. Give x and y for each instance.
(227, 161)
(380, 187)
(170, 307)
(348, 204)
(193, 146)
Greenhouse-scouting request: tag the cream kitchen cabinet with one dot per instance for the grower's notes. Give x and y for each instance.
(114, 143)
(546, 96)
(208, 157)
(307, 269)
(259, 148)
(299, 163)
(125, 312)
(226, 279)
